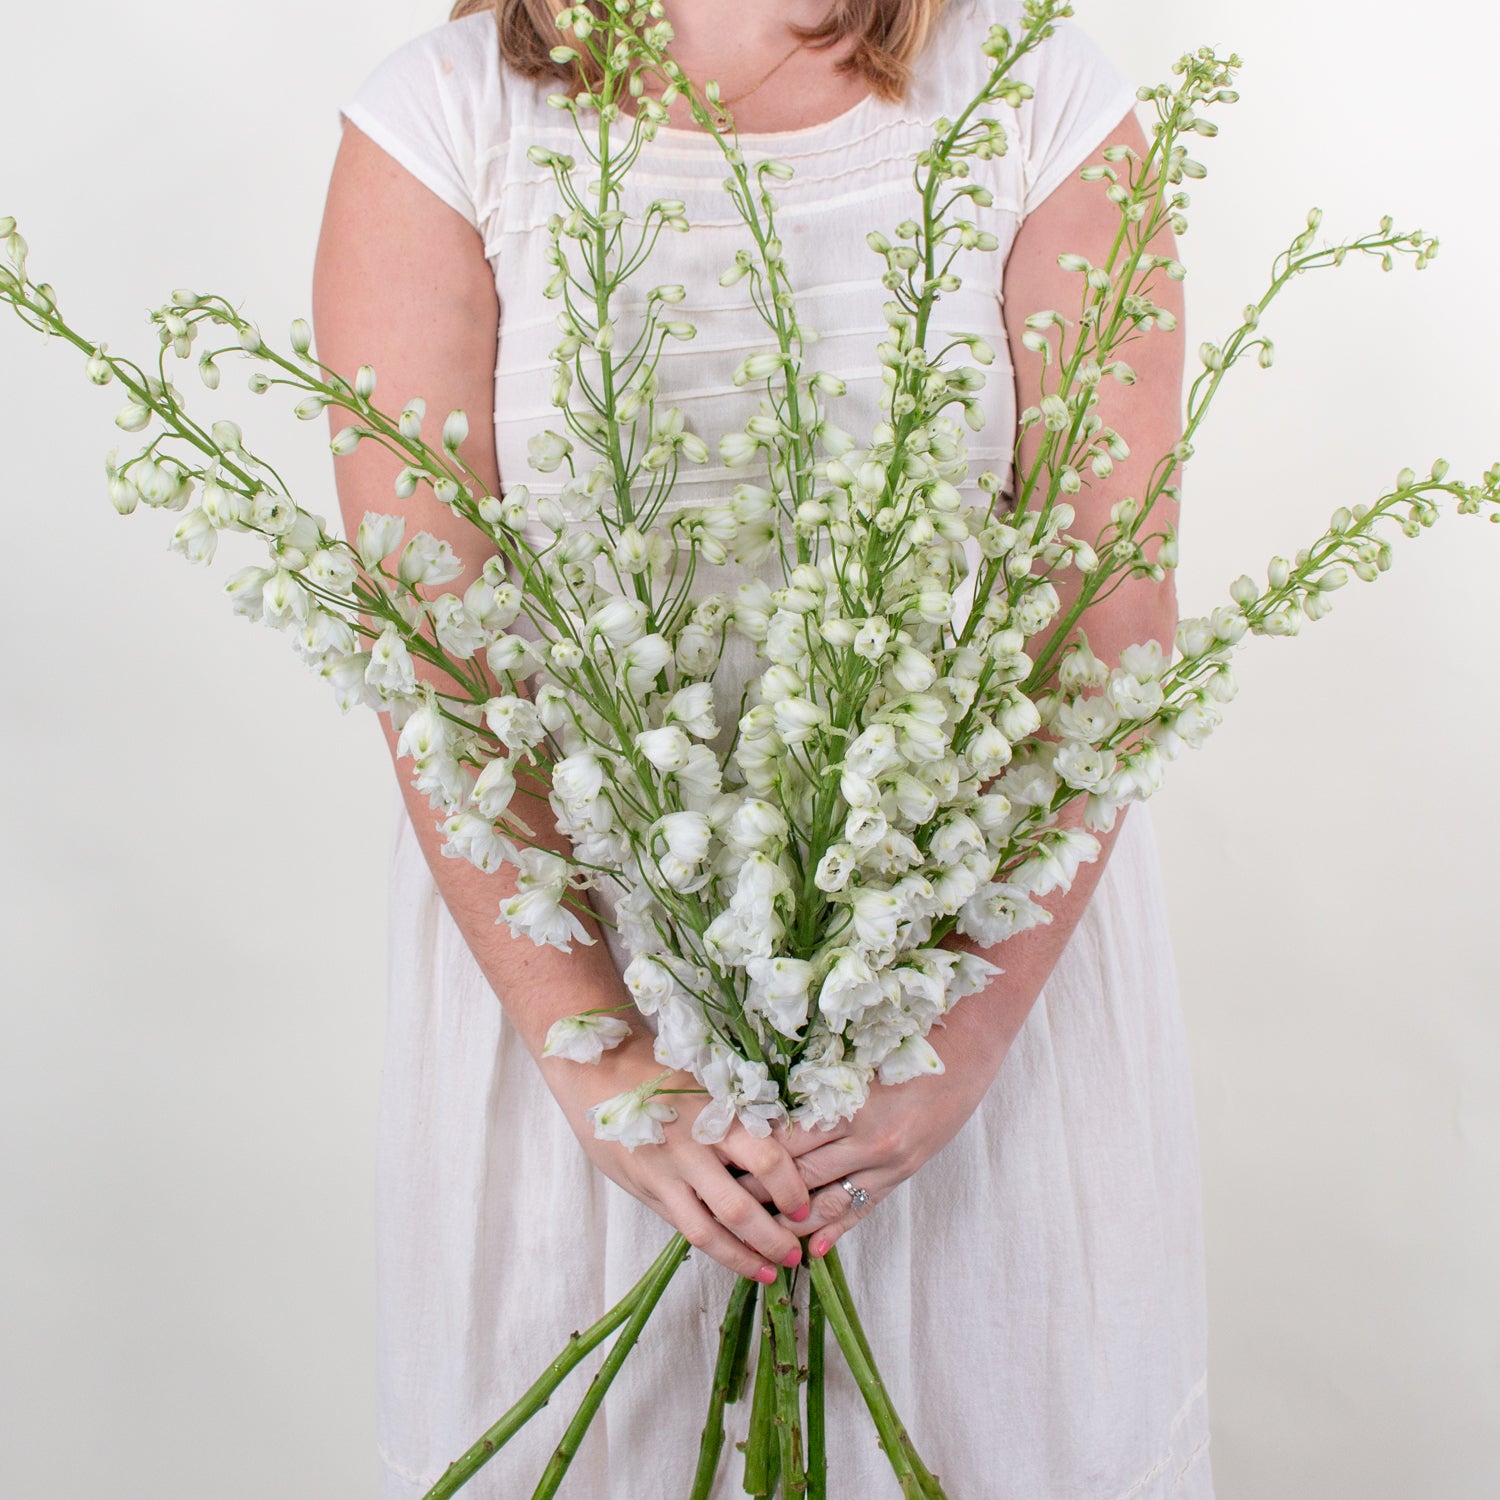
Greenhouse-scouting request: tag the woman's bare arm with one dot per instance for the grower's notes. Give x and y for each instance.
(401, 282)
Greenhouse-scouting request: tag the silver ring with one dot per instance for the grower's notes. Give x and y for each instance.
(859, 1196)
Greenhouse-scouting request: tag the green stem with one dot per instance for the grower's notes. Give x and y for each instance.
(663, 1268)
(784, 1369)
(760, 1448)
(539, 1393)
(817, 1446)
(917, 1482)
(739, 1319)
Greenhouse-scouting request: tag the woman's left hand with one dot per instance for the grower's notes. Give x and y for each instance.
(899, 1127)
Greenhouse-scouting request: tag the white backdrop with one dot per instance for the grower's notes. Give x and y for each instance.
(194, 841)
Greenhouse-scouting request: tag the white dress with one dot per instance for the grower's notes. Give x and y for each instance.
(1034, 1294)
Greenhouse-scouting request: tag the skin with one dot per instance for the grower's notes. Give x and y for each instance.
(401, 282)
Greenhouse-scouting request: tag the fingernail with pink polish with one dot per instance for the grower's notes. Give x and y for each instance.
(820, 1247)
(801, 1213)
(793, 1257)
(765, 1275)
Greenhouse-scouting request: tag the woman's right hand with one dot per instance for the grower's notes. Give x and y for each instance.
(687, 1183)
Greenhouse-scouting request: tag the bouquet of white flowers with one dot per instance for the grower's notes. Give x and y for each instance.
(800, 890)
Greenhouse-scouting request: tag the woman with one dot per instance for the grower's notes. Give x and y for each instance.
(1031, 1277)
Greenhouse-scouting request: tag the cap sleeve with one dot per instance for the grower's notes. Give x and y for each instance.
(420, 104)
(1080, 96)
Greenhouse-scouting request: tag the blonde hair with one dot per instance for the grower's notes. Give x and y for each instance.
(887, 36)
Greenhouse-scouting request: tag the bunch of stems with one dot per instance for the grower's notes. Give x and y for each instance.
(785, 1448)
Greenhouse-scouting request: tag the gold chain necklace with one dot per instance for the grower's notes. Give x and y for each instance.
(765, 77)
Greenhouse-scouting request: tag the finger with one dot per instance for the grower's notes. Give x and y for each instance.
(847, 1216)
(836, 1162)
(801, 1139)
(751, 1184)
(701, 1230)
(739, 1213)
(773, 1165)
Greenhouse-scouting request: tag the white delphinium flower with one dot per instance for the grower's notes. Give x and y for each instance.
(514, 722)
(968, 975)
(1018, 717)
(697, 651)
(346, 674)
(667, 748)
(910, 1058)
(1100, 811)
(778, 991)
(331, 568)
(988, 753)
(390, 671)
(378, 536)
(1054, 860)
(469, 836)
(755, 824)
(692, 707)
(194, 536)
(852, 987)
(457, 631)
(879, 914)
(633, 1118)
(1029, 785)
(585, 1038)
(425, 733)
(739, 1089)
(873, 752)
(865, 827)
(682, 1035)
(750, 926)
(826, 1092)
(642, 660)
(679, 844)
(1087, 718)
(615, 624)
(536, 910)
(650, 982)
(1084, 767)
(918, 720)
(427, 559)
(494, 788)
(923, 978)
(1079, 669)
(835, 867)
(577, 795)
(1134, 686)
(547, 450)
(513, 656)
(700, 781)
(911, 670)
(284, 600)
(954, 839)
(953, 887)
(998, 911)
(1037, 609)
(1140, 773)
(1196, 720)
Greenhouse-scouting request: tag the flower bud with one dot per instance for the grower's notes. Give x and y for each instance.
(455, 430)
(410, 425)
